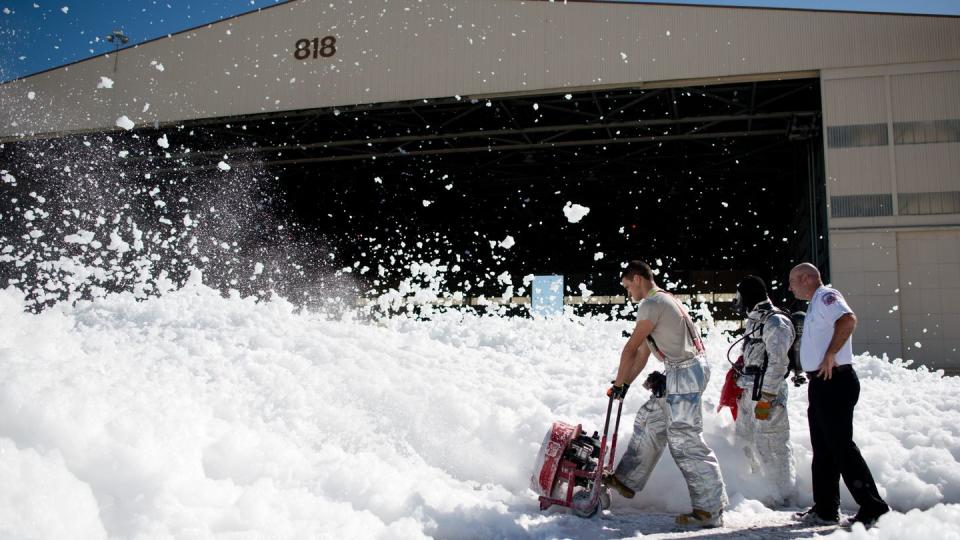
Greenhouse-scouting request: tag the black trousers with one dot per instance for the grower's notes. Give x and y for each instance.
(835, 455)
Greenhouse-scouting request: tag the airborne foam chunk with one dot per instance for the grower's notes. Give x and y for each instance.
(125, 123)
(575, 212)
(223, 166)
(80, 237)
(584, 291)
(117, 243)
(163, 142)
(105, 82)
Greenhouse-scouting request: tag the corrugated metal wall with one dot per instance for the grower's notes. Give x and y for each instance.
(929, 265)
(410, 49)
(926, 116)
(893, 168)
(892, 142)
(863, 266)
(855, 116)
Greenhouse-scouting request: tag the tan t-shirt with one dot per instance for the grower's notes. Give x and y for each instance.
(670, 332)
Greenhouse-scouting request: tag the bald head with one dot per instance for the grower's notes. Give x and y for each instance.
(806, 269)
(804, 280)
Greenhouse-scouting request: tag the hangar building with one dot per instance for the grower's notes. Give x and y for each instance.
(836, 133)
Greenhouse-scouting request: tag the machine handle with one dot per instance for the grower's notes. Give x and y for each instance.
(613, 440)
(606, 428)
(606, 423)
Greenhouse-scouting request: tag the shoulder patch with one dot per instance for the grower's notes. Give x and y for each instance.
(829, 298)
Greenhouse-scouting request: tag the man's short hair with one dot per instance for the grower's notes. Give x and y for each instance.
(637, 268)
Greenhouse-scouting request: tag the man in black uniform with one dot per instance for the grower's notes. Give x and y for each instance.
(826, 354)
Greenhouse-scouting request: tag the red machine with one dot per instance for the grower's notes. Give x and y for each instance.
(570, 466)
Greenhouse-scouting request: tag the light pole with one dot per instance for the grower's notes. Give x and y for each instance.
(118, 38)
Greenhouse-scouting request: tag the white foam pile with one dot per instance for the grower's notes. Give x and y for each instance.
(193, 415)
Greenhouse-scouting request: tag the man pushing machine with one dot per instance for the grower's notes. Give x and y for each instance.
(673, 416)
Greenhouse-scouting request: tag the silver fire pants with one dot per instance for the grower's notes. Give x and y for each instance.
(766, 443)
(676, 421)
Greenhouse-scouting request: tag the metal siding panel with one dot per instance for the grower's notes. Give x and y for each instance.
(858, 253)
(410, 50)
(929, 284)
(928, 167)
(855, 171)
(925, 96)
(854, 101)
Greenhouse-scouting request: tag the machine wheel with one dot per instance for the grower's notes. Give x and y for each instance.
(604, 498)
(581, 505)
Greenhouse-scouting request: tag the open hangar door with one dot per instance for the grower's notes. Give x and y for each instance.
(711, 181)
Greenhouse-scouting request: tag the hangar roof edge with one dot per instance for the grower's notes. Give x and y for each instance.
(755, 8)
(621, 2)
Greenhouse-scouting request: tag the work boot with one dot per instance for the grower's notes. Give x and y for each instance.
(813, 517)
(611, 481)
(868, 517)
(700, 518)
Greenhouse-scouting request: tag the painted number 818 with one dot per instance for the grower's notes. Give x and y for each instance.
(316, 47)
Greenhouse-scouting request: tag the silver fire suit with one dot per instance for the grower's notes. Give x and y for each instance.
(676, 420)
(766, 443)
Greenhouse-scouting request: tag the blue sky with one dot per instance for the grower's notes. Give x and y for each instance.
(43, 34)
